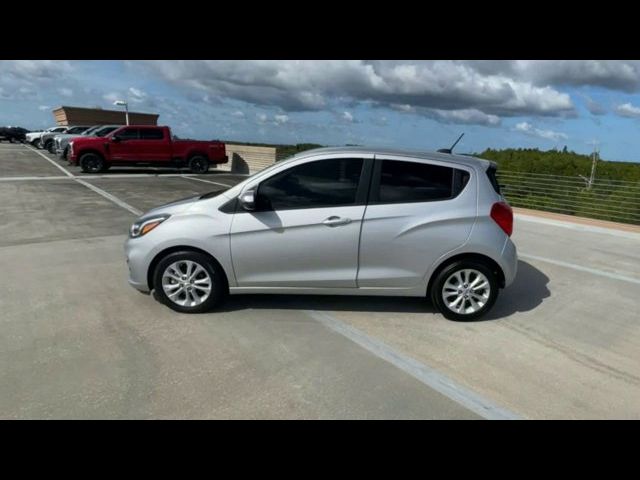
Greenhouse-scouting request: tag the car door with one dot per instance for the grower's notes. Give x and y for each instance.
(418, 210)
(153, 146)
(122, 146)
(306, 227)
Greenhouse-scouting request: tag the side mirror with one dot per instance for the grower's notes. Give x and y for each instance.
(115, 139)
(248, 200)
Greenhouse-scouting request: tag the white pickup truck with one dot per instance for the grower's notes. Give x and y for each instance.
(34, 137)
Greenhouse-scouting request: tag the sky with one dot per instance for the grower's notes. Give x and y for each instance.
(396, 103)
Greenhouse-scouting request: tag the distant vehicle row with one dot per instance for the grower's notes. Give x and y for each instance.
(96, 148)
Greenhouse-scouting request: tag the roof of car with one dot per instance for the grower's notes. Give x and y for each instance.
(438, 156)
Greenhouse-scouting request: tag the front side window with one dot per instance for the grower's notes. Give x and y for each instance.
(129, 134)
(151, 134)
(408, 182)
(322, 183)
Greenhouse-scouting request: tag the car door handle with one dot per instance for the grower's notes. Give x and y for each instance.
(335, 221)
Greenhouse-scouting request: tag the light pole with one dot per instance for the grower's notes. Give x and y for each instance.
(126, 108)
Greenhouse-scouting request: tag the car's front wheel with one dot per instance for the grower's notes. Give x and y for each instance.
(189, 282)
(92, 163)
(465, 290)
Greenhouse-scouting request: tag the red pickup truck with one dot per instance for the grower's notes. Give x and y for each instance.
(144, 145)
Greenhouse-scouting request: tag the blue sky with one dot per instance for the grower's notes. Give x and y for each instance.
(412, 104)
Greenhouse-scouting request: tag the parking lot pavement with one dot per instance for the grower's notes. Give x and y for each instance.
(77, 342)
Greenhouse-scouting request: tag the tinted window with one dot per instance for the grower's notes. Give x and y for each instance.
(151, 134)
(491, 173)
(404, 182)
(104, 131)
(129, 134)
(315, 184)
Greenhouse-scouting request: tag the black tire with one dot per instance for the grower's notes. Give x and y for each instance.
(49, 146)
(36, 143)
(65, 154)
(198, 164)
(218, 279)
(457, 266)
(92, 163)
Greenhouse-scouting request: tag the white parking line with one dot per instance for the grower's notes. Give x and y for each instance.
(578, 226)
(22, 179)
(99, 191)
(423, 373)
(580, 268)
(207, 181)
(66, 172)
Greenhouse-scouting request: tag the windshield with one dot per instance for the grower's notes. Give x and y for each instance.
(90, 131)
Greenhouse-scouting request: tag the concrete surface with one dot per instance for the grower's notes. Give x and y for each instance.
(77, 342)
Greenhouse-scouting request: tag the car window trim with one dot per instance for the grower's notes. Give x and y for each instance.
(374, 191)
(362, 191)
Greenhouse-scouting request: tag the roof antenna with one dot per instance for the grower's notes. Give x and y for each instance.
(450, 150)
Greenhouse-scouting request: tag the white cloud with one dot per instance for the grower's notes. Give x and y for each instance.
(112, 97)
(528, 129)
(44, 108)
(313, 85)
(136, 95)
(347, 117)
(238, 113)
(281, 119)
(628, 110)
(65, 92)
(472, 116)
(262, 117)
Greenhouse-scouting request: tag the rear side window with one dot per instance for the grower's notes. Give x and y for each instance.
(491, 173)
(151, 134)
(129, 134)
(409, 182)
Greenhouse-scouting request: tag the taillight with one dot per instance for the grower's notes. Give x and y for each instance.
(503, 215)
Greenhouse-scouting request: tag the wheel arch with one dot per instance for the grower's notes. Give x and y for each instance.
(491, 263)
(181, 248)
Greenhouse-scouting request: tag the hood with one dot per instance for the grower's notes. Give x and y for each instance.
(179, 206)
(68, 135)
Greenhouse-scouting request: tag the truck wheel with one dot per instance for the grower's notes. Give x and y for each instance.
(65, 153)
(36, 143)
(198, 165)
(51, 146)
(91, 163)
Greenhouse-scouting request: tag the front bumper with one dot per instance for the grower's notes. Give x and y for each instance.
(137, 260)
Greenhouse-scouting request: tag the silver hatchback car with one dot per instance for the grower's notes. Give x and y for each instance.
(335, 221)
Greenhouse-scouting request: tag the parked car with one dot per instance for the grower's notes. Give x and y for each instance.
(13, 134)
(47, 139)
(335, 221)
(34, 137)
(144, 145)
(61, 142)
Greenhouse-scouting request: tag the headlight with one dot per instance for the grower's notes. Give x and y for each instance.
(144, 226)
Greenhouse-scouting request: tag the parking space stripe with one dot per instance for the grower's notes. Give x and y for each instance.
(418, 370)
(99, 191)
(60, 167)
(580, 268)
(207, 181)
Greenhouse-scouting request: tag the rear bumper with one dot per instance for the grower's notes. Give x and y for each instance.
(509, 262)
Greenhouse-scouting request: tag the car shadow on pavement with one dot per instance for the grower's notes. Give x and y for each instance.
(527, 292)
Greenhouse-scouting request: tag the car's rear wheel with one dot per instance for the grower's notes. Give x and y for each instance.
(465, 290)
(198, 164)
(92, 163)
(189, 282)
(51, 147)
